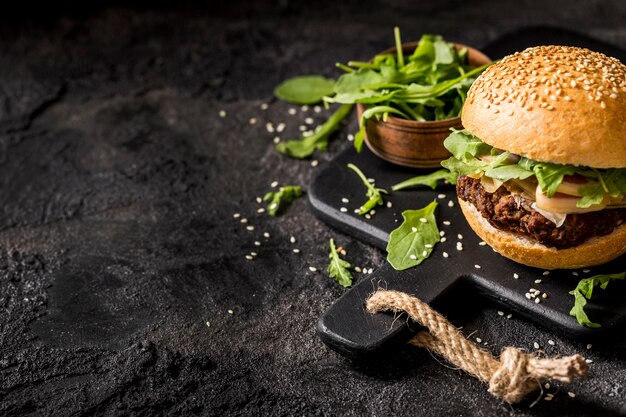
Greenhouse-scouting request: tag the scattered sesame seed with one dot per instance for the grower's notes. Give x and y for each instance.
(441, 196)
(588, 361)
(236, 215)
(372, 212)
(302, 128)
(516, 276)
(450, 203)
(252, 120)
(309, 120)
(291, 111)
(269, 127)
(442, 233)
(345, 200)
(586, 271)
(547, 386)
(571, 394)
(208, 324)
(266, 235)
(257, 243)
(296, 250)
(304, 108)
(276, 139)
(367, 216)
(482, 243)
(423, 220)
(414, 229)
(575, 273)
(371, 180)
(425, 254)
(500, 313)
(477, 266)
(264, 106)
(389, 205)
(537, 281)
(273, 206)
(551, 342)
(343, 252)
(281, 126)
(357, 269)
(292, 239)
(350, 137)
(317, 109)
(589, 346)
(356, 211)
(509, 316)
(260, 210)
(547, 398)
(314, 163)
(537, 300)
(250, 228)
(536, 345)
(412, 256)
(544, 295)
(445, 254)
(479, 340)
(460, 236)
(243, 220)
(274, 184)
(369, 271)
(343, 210)
(443, 239)
(249, 257)
(222, 113)
(546, 273)
(253, 254)
(230, 311)
(259, 200)
(446, 222)
(312, 269)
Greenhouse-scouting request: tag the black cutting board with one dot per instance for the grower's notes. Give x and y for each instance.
(477, 269)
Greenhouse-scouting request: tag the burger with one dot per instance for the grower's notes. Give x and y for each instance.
(541, 164)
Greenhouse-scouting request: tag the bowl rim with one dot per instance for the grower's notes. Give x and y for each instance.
(432, 123)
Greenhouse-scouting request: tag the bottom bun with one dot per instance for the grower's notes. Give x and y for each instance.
(595, 251)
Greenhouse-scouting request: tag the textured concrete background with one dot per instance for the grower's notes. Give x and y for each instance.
(118, 182)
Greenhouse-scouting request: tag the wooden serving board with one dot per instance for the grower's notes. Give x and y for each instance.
(349, 329)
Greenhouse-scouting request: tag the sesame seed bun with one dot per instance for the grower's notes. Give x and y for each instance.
(557, 104)
(521, 249)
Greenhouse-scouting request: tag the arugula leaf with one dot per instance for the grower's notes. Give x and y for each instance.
(280, 199)
(338, 268)
(429, 180)
(306, 89)
(462, 144)
(413, 241)
(463, 168)
(508, 172)
(583, 292)
(550, 176)
(304, 147)
(373, 194)
(591, 194)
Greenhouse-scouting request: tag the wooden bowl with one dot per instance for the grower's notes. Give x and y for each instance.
(408, 142)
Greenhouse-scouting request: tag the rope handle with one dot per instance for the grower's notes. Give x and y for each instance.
(511, 378)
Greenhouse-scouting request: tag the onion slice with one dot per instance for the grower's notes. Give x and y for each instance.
(562, 203)
(557, 218)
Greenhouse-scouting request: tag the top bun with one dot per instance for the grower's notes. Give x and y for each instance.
(557, 104)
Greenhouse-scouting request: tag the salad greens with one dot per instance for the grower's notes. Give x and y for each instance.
(466, 147)
(306, 89)
(583, 292)
(338, 268)
(373, 194)
(431, 83)
(304, 147)
(413, 241)
(280, 199)
(429, 180)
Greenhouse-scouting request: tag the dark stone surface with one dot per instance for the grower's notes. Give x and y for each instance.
(118, 182)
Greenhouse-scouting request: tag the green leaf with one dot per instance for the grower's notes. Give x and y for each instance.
(353, 82)
(429, 180)
(413, 241)
(463, 168)
(508, 172)
(279, 200)
(590, 195)
(307, 89)
(373, 194)
(304, 147)
(338, 268)
(584, 291)
(550, 176)
(463, 144)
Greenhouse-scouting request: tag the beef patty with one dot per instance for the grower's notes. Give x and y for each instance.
(505, 212)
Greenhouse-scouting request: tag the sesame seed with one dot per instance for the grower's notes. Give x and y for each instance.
(264, 106)
(249, 257)
(250, 228)
(443, 239)
(450, 203)
(546, 273)
(571, 394)
(536, 345)
(257, 243)
(253, 254)
(345, 200)
(516, 276)
(269, 127)
(356, 211)
(317, 109)
(479, 340)
(296, 250)
(314, 163)
(445, 254)
(291, 111)
(276, 139)
(446, 222)
(357, 269)
(509, 316)
(588, 361)
(260, 210)
(372, 212)
(243, 220)
(280, 127)
(304, 108)
(343, 210)
(309, 120)
(442, 233)
(537, 281)
(266, 235)
(230, 311)
(537, 300)
(350, 137)
(460, 236)
(369, 271)
(222, 113)
(425, 254)
(412, 256)
(312, 269)
(589, 346)
(273, 206)
(477, 266)
(252, 120)
(389, 205)
(367, 216)
(551, 342)
(423, 220)
(259, 200)
(236, 215)
(527, 295)
(586, 271)
(441, 196)
(500, 313)
(302, 128)
(575, 273)
(547, 398)
(292, 239)
(414, 229)
(428, 246)
(482, 243)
